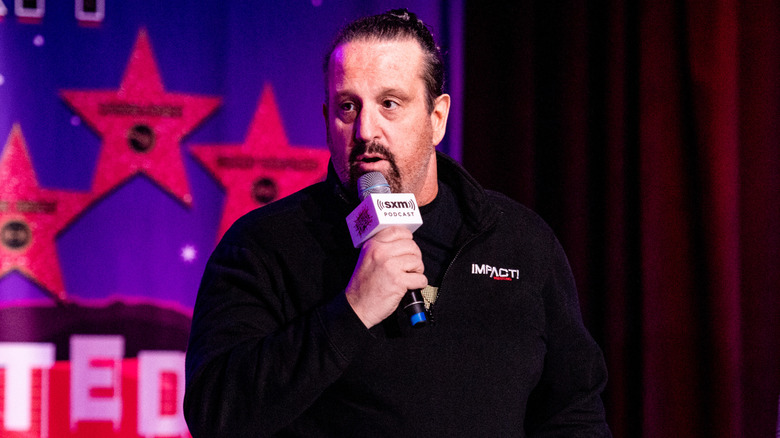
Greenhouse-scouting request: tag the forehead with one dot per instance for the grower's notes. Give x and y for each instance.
(375, 60)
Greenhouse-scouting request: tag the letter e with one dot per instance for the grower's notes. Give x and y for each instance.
(96, 378)
(161, 393)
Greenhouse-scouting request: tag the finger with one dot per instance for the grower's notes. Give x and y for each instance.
(408, 264)
(402, 282)
(416, 281)
(382, 250)
(393, 233)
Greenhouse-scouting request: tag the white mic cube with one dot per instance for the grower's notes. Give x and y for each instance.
(381, 210)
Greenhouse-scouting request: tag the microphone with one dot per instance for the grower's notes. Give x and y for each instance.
(379, 209)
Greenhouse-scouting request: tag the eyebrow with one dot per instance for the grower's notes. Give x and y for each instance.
(401, 92)
(396, 92)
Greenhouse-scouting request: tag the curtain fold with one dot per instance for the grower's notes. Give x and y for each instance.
(646, 134)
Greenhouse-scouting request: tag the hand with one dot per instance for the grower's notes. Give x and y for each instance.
(390, 264)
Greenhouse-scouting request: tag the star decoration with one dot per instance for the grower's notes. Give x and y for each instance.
(189, 253)
(31, 217)
(264, 168)
(141, 126)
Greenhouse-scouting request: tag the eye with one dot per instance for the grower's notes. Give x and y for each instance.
(390, 104)
(347, 111)
(346, 107)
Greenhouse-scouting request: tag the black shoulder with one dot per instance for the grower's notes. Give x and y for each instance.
(283, 216)
(516, 210)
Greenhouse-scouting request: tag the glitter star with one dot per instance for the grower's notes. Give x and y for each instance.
(189, 253)
(141, 126)
(31, 217)
(265, 167)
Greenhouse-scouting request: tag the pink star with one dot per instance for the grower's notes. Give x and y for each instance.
(141, 125)
(264, 168)
(31, 218)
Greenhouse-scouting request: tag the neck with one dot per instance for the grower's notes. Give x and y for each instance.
(430, 186)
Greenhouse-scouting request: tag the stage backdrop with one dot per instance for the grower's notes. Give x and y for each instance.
(132, 135)
(646, 134)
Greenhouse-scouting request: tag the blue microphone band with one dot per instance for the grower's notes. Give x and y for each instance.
(417, 319)
(414, 306)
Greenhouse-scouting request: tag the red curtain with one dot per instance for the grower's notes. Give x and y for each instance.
(648, 135)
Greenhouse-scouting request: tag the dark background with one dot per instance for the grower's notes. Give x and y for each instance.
(646, 134)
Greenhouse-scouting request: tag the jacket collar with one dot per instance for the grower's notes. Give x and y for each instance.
(478, 212)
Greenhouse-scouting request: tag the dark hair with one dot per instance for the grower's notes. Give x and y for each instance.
(396, 24)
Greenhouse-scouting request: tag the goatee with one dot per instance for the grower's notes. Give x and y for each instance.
(374, 148)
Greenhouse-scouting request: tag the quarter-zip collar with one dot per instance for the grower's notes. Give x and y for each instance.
(478, 212)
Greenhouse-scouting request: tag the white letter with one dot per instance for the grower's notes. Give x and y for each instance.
(161, 393)
(96, 378)
(34, 10)
(19, 359)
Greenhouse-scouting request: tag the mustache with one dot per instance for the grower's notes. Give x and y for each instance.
(376, 150)
(373, 148)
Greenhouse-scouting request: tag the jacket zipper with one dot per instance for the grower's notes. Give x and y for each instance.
(452, 262)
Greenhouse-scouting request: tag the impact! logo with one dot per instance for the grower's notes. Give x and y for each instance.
(495, 273)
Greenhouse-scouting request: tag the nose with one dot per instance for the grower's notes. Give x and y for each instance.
(367, 125)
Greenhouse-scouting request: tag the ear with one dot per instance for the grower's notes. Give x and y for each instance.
(325, 115)
(325, 111)
(441, 110)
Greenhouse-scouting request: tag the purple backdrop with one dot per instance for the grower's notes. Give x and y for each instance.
(131, 260)
(130, 242)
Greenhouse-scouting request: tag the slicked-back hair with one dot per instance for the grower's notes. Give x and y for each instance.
(396, 24)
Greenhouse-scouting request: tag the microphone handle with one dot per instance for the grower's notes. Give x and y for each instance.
(414, 306)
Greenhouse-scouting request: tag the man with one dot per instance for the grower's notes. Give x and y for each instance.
(297, 333)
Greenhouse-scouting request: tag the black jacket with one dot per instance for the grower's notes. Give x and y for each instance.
(275, 349)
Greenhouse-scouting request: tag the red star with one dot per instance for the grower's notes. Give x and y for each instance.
(141, 125)
(265, 167)
(31, 218)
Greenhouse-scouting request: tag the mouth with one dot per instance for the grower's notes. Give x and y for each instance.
(369, 158)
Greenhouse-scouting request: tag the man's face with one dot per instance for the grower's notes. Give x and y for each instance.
(377, 118)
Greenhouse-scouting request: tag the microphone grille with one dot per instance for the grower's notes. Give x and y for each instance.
(372, 182)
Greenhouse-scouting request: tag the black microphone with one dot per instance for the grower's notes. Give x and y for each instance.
(379, 209)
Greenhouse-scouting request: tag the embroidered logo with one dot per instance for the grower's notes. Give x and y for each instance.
(496, 273)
